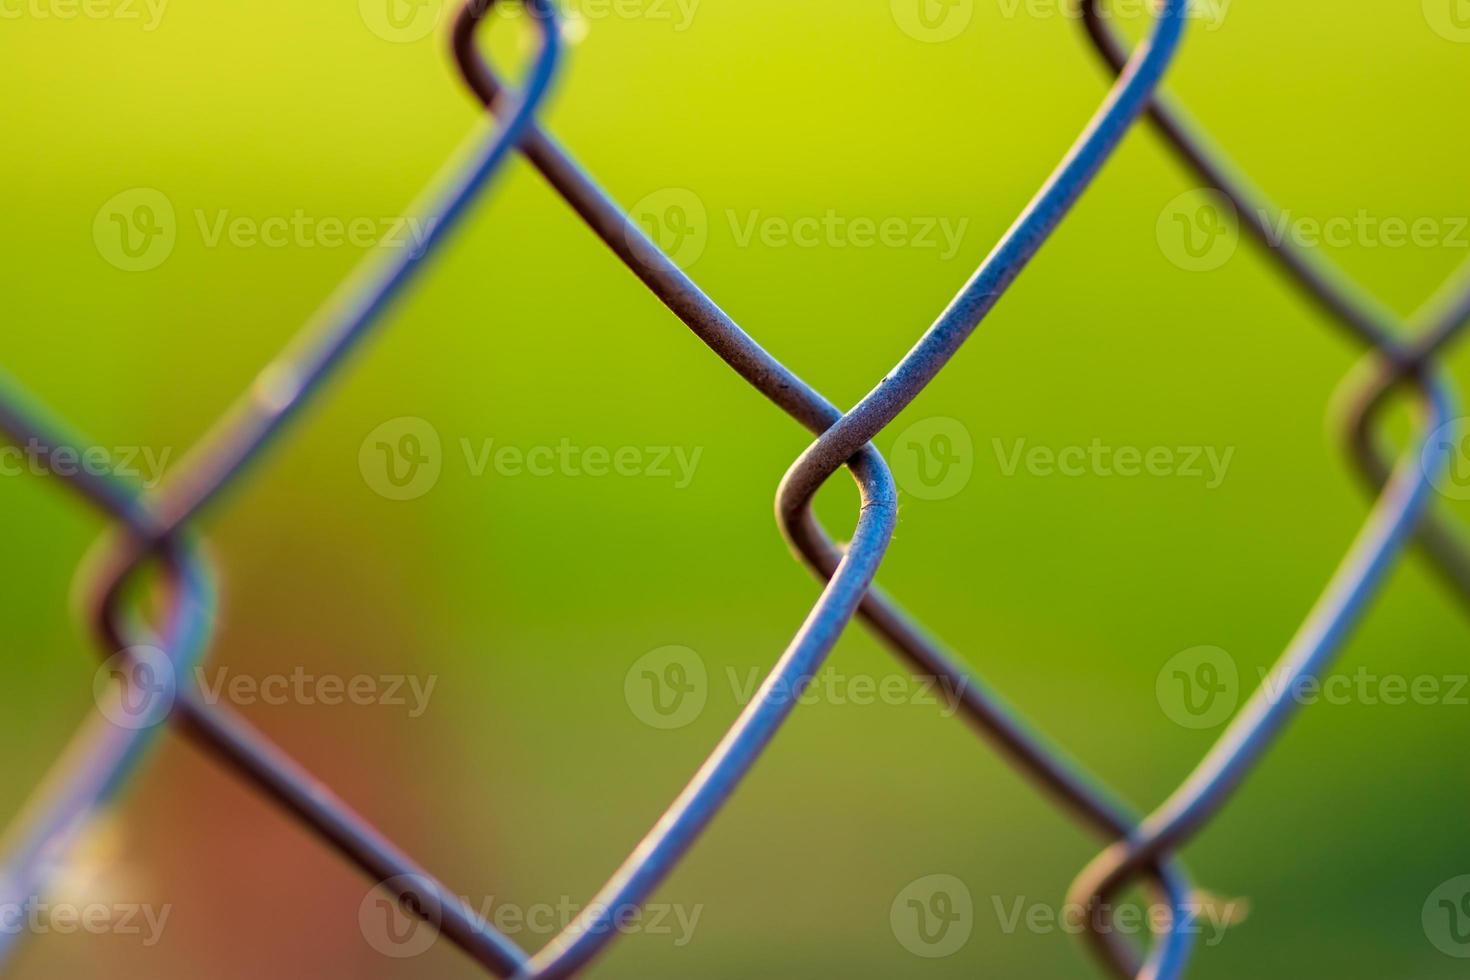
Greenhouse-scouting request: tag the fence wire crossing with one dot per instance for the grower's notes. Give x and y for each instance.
(154, 531)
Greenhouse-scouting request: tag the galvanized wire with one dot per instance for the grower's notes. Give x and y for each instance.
(158, 529)
(152, 526)
(1402, 492)
(684, 298)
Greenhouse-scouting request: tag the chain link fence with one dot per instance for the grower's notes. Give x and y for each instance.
(145, 686)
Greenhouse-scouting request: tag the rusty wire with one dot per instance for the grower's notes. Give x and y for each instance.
(155, 530)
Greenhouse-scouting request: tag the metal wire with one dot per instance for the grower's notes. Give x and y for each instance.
(1402, 495)
(155, 530)
(281, 391)
(683, 297)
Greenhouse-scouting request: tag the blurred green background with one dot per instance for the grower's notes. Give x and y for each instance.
(530, 775)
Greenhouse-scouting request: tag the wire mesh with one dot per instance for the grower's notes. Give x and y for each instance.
(153, 530)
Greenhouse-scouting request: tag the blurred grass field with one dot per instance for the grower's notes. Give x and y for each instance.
(528, 598)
